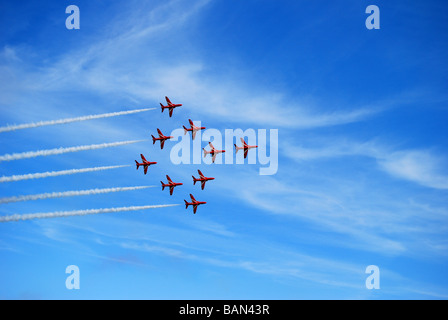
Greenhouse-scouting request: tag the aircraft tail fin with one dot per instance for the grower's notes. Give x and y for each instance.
(153, 139)
(185, 130)
(194, 180)
(163, 185)
(162, 107)
(137, 164)
(236, 148)
(186, 204)
(205, 152)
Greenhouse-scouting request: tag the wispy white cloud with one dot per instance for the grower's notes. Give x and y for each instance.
(104, 67)
(420, 166)
(234, 251)
(247, 253)
(343, 209)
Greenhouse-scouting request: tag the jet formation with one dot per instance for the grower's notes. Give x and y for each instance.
(213, 152)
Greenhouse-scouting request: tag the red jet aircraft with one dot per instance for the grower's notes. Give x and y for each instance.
(194, 203)
(170, 106)
(170, 184)
(202, 178)
(193, 129)
(245, 147)
(161, 137)
(145, 163)
(213, 152)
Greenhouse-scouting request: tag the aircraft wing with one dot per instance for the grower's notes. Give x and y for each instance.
(200, 174)
(245, 153)
(171, 190)
(243, 142)
(160, 133)
(193, 132)
(143, 157)
(146, 169)
(213, 157)
(202, 185)
(191, 123)
(171, 111)
(162, 143)
(211, 145)
(195, 207)
(192, 198)
(169, 179)
(168, 100)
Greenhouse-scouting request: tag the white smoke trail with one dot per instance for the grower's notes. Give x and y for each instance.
(69, 120)
(56, 173)
(50, 152)
(52, 195)
(29, 216)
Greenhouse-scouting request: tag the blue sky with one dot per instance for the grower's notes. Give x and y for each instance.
(362, 171)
